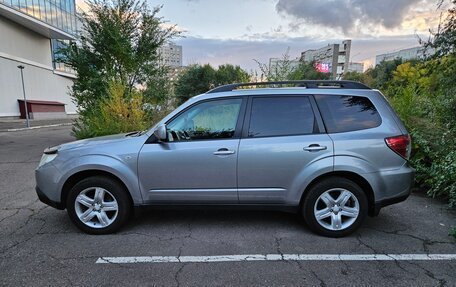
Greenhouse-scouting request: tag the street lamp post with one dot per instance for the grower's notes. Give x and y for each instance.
(25, 98)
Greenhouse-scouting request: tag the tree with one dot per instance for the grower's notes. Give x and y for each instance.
(118, 43)
(444, 39)
(285, 69)
(229, 74)
(279, 71)
(307, 71)
(383, 72)
(365, 78)
(200, 79)
(195, 80)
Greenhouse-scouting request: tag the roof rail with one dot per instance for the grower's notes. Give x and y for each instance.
(309, 84)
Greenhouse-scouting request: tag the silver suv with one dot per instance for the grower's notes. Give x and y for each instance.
(333, 151)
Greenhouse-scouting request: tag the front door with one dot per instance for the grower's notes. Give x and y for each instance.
(198, 162)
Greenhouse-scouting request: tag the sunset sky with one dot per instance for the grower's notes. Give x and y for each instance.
(238, 31)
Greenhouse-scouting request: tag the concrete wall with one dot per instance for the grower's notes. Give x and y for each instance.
(21, 42)
(19, 46)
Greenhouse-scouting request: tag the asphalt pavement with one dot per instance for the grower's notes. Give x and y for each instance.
(39, 245)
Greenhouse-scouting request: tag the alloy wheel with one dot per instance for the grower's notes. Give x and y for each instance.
(96, 207)
(336, 209)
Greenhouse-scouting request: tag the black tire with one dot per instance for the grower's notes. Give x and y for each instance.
(318, 189)
(115, 189)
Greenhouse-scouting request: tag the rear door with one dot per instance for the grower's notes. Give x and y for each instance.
(281, 137)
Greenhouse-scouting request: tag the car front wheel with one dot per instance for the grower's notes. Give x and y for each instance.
(98, 205)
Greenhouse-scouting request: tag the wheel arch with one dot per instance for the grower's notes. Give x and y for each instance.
(78, 176)
(358, 179)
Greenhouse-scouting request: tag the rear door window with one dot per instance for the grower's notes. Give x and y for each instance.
(347, 113)
(281, 116)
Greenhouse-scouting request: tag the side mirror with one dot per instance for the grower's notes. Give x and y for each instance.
(160, 133)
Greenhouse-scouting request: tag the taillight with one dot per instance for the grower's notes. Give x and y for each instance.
(402, 145)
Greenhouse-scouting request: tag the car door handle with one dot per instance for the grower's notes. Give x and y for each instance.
(315, 147)
(223, 151)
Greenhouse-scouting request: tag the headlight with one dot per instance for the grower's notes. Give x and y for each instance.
(47, 158)
(49, 155)
(52, 150)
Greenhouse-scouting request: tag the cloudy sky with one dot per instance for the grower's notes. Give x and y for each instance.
(238, 31)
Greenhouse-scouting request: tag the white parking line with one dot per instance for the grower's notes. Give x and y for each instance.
(276, 257)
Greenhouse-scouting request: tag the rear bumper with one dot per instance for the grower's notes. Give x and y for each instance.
(44, 199)
(396, 188)
(389, 201)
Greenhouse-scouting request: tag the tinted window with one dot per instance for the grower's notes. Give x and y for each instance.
(281, 116)
(347, 113)
(208, 120)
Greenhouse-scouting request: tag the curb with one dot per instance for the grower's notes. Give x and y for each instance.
(37, 127)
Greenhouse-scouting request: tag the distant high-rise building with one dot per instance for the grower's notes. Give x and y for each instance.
(405, 54)
(170, 55)
(31, 31)
(334, 58)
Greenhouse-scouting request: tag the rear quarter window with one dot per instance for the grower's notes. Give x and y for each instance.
(347, 113)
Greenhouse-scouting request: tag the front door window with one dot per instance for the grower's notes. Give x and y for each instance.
(208, 120)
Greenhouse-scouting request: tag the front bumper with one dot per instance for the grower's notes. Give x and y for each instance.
(44, 199)
(47, 185)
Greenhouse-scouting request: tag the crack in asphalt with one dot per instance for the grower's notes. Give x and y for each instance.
(426, 242)
(442, 282)
(299, 263)
(361, 242)
(15, 193)
(29, 218)
(358, 237)
(176, 275)
(322, 282)
(277, 242)
(17, 211)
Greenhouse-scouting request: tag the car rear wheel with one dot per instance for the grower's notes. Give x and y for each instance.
(98, 205)
(335, 207)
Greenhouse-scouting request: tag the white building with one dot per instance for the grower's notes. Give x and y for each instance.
(28, 33)
(405, 54)
(335, 58)
(170, 55)
(275, 63)
(355, 67)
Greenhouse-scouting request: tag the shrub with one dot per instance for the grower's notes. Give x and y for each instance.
(453, 232)
(424, 99)
(121, 112)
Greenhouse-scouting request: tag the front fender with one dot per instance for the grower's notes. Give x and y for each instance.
(125, 170)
